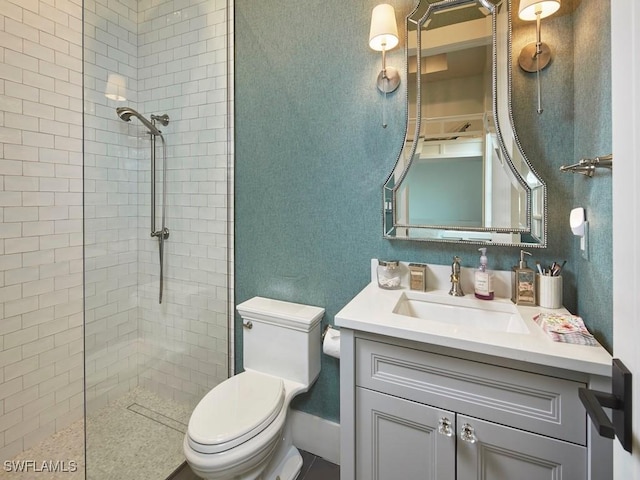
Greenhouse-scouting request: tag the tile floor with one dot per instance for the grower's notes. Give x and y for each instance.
(313, 468)
(66, 446)
(150, 424)
(142, 416)
(152, 428)
(316, 468)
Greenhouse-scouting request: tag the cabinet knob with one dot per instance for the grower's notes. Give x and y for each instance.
(247, 324)
(444, 427)
(467, 434)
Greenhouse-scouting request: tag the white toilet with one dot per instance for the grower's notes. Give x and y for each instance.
(240, 429)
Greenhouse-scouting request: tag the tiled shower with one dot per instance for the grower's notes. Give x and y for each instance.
(81, 328)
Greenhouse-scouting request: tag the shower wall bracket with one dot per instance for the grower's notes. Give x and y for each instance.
(164, 232)
(588, 166)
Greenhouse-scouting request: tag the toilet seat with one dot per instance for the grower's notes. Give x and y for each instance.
(235, 411)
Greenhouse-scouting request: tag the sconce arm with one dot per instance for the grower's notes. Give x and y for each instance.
(538, 38)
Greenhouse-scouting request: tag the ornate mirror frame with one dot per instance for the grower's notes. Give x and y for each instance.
(531, 228)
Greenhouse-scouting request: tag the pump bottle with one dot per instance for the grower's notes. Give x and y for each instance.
(523, 290)
(483, 282)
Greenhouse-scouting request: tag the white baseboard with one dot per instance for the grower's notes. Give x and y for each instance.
(316, 435)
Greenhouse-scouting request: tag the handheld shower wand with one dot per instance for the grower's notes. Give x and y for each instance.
(125, 113)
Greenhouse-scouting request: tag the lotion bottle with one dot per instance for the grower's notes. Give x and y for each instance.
(483, 282)
(523, 290)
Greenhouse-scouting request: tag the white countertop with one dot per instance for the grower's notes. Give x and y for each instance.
(372, 311)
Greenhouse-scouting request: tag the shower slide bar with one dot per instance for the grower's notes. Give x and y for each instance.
(125, 113)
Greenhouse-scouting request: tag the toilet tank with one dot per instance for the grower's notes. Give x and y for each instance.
(281, 338)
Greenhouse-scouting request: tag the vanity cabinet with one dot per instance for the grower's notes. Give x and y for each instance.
(397, 438)
(415, 412)
(487, 450)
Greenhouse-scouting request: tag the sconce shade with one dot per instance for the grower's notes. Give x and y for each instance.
(384, 30)
(529, 8)
(116, 88)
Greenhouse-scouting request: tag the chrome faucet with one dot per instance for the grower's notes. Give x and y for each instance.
(456, 287)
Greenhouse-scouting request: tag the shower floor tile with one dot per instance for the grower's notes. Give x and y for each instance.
(65, 446)
(137, 437)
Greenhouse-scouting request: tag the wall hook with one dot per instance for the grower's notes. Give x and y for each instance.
(587, 166)
(620, 401)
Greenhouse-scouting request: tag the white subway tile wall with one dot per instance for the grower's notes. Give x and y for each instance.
(110, 189)
(182, 72)
(41, 383)
(170, 57)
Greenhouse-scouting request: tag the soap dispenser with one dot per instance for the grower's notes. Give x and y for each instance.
(523, 289)
(483, 281)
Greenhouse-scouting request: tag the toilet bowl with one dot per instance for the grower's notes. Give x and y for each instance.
(240, 429)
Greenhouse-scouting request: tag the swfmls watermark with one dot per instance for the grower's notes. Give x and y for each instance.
(40, 466)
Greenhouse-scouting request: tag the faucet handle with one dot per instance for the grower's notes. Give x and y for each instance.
(456, 288)
(455, 266)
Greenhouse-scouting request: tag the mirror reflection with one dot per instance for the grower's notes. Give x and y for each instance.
(462, 175)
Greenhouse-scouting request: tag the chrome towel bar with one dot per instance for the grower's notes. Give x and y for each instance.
(587, 166)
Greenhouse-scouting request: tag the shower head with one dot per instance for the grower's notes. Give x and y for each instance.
(125, 113)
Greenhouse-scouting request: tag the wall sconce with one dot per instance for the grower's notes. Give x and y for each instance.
(536, 56)
(383, 36)
(580, 228)
(116, 88)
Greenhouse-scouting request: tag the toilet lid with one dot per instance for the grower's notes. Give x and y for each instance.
(235, 411)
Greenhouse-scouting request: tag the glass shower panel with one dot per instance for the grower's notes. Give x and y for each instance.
(147, 364)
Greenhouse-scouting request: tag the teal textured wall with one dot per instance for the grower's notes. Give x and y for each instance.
(311, 158)
(593, 138)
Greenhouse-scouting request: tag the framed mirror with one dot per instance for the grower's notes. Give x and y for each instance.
(462, 175)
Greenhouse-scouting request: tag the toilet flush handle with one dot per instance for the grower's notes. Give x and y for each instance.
(247, 324)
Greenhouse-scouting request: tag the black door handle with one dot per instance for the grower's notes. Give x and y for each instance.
(593, 402)
(620, 401)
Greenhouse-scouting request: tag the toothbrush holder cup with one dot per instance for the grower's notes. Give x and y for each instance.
(549, 291)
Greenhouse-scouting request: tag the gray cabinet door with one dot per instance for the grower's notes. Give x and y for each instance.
(504, 453)
(400, 439)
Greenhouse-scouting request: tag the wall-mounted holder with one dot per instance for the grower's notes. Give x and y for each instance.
(580, 228)
(587, 166)
(620, 401)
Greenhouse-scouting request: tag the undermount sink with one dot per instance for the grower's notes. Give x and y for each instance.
(462, 311)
